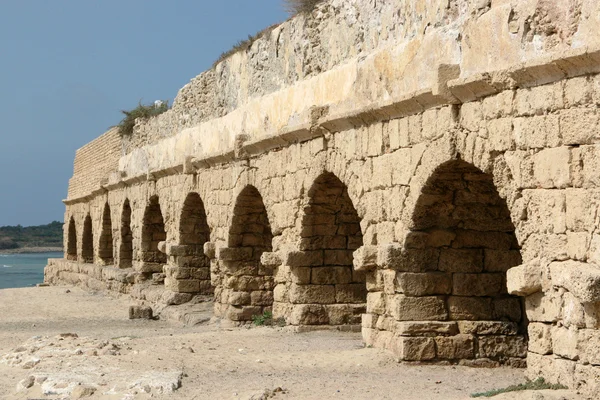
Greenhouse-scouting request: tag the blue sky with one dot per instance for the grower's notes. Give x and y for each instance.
(67, 68)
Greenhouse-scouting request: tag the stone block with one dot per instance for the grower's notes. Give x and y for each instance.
(461, 260)
(423, 284)
(507, 308)
(140, 312)
(369, 320)
(309, 314)
(183, 286)
(500, 134)
(588, 346)
(261, 298)
(552, 168)
(579, 126)
(338, 257)
(395, 257)
(426, 328)
(301, 275)
(243, 313)
(502, 346)
(413, 348)
(501, 260)
(456, 347)
(351, 293)
(303, 258)
(312, 294)
(431, 308)
(487, 327)
(331, 275)
(483, 284)
(543, 307)
(375, 281)
(536, 132)
(239, 298)
(524, 280)
(469, 308)
(565, 342)
(376, 303)
(270, 259)
(210, 249)
(234, 253)
(281, 294)
(540, 338)
(342, 314)
(365, 258)
(581, 279)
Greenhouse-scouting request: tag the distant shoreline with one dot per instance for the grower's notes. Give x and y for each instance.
(25, 250)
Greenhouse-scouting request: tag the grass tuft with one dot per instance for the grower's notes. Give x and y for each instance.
(266, 319)
(538, 384)
(300, 6)
(141, 111)
(244, 45)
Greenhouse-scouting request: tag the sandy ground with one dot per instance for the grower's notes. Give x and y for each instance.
(126, 359)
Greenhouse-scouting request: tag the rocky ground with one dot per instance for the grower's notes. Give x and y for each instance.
(63, 343)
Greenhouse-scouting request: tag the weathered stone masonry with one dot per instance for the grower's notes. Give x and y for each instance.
(432, 178)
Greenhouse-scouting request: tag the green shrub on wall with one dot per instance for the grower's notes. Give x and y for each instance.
(141, 111)
(300, 6)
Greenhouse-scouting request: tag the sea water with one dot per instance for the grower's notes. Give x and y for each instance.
(23, 270)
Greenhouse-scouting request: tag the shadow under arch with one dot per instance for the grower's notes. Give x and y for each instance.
(87, 241)
(325, 289)
(153, 232)
(105, 249)
(72, 240)
(126, 243)
(460, 245)
(247, 284)
(189, 270)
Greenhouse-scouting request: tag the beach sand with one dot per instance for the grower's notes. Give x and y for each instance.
(206, 361)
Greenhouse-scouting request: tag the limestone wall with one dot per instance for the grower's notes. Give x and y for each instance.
(94, 162)
(439, 185)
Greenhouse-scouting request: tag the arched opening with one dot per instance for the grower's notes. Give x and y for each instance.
(72, 241)
(87, 242)
(461, 244)
(326, 289)
(193, 228)
(126, 248)
(190, 271)
(153, 232)
(105, 249)
(249, 283)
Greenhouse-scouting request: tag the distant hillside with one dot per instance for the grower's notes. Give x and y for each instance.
(15, 237)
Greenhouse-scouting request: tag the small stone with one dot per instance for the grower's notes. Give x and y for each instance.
(140, 312)
(31, 363)
(26, 383)
(82, 391)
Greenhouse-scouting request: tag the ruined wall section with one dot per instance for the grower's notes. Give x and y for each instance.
(94, 162)
(341, 30)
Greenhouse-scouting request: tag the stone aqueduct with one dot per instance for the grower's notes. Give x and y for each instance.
(428, 170)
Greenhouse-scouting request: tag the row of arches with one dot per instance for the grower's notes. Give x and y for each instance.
(460, 243)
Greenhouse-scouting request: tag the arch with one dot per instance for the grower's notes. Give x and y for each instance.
(105, 246)
(193, 225)
(189, 270)
(126, 247)
(453, 270)
(153, 232)
(326, 289)
(72, 241)
(87, 241)
(250, 225)
(248, 283)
